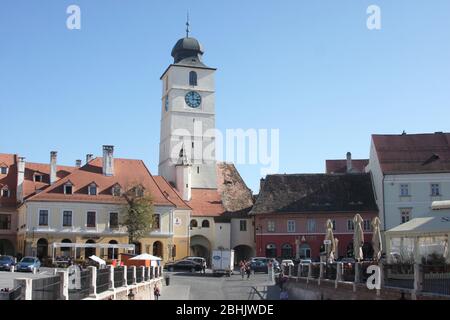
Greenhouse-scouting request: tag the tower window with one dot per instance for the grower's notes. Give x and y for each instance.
(192, 145)
(192, 78)
(198, 170)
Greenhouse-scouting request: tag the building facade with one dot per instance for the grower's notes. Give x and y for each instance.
(292, 210)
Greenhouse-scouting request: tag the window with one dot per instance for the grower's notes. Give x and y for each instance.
(67, 218)
(167, 83)
(405, 215)
(90, 219)
(5, 221)
(194, 223)
(435, 189)
(205, 224)
(243, 225)
(68, 189)
(139, 192)
(286, 251)
(367, 225)
(92, 190)
(198, 170)
(271, 226)
(116, 191)
(43, 218)
(291, 226)
(156, 222)
(5, 192)
(350, 225)
(404, 190)
(192, 78)
(113, 220)
(311, 225)
(38, 178)
(4, 170)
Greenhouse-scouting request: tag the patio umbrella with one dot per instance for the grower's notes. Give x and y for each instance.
(146, 257)
(331, 247)
(358, 238)
(336, 249)
(377, 244)
(446, 251)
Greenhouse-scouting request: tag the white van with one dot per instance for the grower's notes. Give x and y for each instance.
(222, 262)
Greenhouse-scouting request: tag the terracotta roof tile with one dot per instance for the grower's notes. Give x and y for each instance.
(171, 193)
(206, 203)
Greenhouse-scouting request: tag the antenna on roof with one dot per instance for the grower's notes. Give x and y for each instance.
(403, 133)
(187, 25)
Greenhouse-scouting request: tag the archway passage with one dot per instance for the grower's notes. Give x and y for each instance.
(158, 249)
(243, 252)
(6, 248)
(201, 247)
(42, 248)
(88, 252)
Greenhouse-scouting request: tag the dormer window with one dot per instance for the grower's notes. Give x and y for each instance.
(92, 189)
(68, 188)
(5, 192)
(116, 190)
(4, 170)
(38, 177)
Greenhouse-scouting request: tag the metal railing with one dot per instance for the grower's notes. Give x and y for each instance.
(152, 272)
(315, 270)
(348, 272)
(83, 286)
(304, 270)
(46, 288)
(436, 279)
(399, 275)
(103, 280)
(146, 276)
(119, 277)
(330, 271)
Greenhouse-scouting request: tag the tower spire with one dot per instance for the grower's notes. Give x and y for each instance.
(187, 25)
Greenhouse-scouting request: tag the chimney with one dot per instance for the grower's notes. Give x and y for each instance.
(53, 156)
(89, 157)
(349, 162)
(108, 160)
(77, 163)
(20, 178)
(261, 184)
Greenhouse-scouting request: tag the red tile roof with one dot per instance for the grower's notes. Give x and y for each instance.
(413, 153)
(206, 203)
(340, 166)
(127, 173)
(171, 193)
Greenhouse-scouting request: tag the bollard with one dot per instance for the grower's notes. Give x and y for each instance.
(64, 285)
(93, 280)
(125, 276)
(111, 277)
(13, 269)
(134, 274)
(27, 288)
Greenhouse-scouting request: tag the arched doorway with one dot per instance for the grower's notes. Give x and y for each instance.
(243, 252)
(90, 251)
(42, 248)
(201, 247)
(6, 247)
(66, 252)
(271, 250)
(286, 251)
(305, 251)
(113, 253)
(158, 249)
(137, 247)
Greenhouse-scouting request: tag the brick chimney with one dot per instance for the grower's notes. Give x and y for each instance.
(349, 162)
(20, 178)
(53, 157)
(108, 160)
(77, 163)
(89, 157)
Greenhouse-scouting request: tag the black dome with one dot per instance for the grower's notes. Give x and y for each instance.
(187, 48)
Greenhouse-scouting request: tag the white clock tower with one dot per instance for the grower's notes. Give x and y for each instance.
(187, 144)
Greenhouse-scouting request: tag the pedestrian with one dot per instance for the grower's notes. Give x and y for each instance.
(157, 293)
(242, 268)
(204, 267)
(248, 270)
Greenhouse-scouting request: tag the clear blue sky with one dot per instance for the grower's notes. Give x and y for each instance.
(309, 68)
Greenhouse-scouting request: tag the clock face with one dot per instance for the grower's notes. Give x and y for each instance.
(167, 104)
(193, 99)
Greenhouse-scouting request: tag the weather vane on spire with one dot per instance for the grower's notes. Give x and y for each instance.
(187, 25)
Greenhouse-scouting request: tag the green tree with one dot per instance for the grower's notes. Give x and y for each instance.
(137, 213)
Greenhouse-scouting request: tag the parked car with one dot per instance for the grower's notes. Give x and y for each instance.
(287, 263)
(260, 264)
(305, 261)
(183, 265)
(27, 264)
(196, 259)
(7, 262)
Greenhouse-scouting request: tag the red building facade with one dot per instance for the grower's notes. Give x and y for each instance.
(292, 210)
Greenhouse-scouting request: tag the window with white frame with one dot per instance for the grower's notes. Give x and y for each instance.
(67, 218)
(350, 225)
(435, 189)
(156, 221)
(91, 219)
(405, 215)
(404, 190)
(113, 220)
(92, 189)
(271, 226)
(311, 225)
(291, 226)
(116, 191)
(38, 177)
(367, 225)
(43, 218)
(243, 225)
(68, 188)
(5, 192)
(3, 170)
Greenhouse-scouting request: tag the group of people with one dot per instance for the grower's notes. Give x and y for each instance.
(245, 268)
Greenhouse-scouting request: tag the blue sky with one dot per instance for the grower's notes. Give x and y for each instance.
(311, 69)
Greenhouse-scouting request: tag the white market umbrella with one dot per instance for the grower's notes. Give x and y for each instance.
(336, 249)
(358, 238)
(377, 244)
(146, 257)
(98, 260)
(331, 247)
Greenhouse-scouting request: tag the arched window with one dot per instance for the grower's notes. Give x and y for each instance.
(205, 224)
(194, 223)
(271, 251)
(286, 251)
(192, 78)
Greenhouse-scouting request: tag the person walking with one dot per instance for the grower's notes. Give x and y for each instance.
(204, 267)
(242, 268)
(157, 293)
(248, 270)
